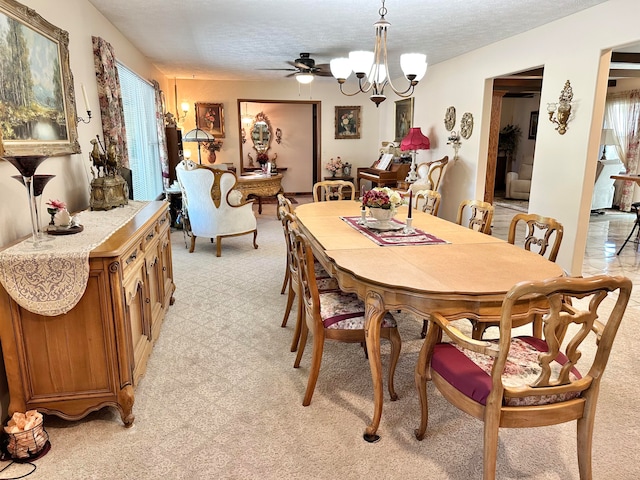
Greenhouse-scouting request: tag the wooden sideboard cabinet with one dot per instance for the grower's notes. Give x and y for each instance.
(94, 355)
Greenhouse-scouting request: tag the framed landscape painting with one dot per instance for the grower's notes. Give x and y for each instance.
(210, 118)
(404, 118)
(37, 107)
(348, 122)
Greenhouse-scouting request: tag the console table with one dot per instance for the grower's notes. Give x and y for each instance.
(259, 186)
(94, 355)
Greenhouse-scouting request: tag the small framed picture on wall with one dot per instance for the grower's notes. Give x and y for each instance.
(533, 125)
(210, 118)
(348, 122)
(404, 118)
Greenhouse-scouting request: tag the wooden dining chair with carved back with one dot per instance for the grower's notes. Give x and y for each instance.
(324, 281)
(333, 190)
(333, 315)
(523, 381)
(428, 201)
(480, 216)
(542, 235)
(284, 206)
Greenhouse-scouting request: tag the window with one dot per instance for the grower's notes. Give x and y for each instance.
(138, 101)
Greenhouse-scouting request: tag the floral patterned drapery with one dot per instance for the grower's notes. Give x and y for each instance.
(110, 97)
(162, 139)
(623, 116)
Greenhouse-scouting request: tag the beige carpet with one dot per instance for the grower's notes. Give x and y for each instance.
(220, 399)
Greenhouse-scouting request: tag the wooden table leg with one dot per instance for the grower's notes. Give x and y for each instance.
(374, 313)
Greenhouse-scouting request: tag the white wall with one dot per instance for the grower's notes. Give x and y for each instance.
(71, 184)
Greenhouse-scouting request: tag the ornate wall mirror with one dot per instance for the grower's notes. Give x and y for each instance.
(261, 133)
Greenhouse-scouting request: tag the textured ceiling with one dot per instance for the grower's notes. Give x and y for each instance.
(232, 39)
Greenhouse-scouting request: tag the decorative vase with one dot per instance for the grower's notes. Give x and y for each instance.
(39, 182)
(27, 166)
(333, 174)
(382, 215)
(212, 157)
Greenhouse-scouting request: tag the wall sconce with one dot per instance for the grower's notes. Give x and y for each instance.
(278, 135)
(86, 105)
(184, 105)
(454, 141)
(562, 109)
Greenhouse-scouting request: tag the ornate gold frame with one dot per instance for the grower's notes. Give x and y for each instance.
(341, 131)
(28, 18)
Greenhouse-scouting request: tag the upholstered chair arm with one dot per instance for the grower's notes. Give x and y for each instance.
(511, 176)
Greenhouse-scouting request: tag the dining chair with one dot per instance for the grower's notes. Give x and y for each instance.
(481, 214)
(543, 235)
(324, 281)
(333, 315)
(428, 201)
(207, 203)
(522, 381)
(284, 206)
(333, 190)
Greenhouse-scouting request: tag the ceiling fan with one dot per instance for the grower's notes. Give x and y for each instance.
(305, 69)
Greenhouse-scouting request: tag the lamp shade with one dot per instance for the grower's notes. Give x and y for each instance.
(198, 135)
(415, 140)
(608, 137)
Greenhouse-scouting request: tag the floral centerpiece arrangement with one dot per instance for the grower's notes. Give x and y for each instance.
(53, 207)
(212, 148)
(382, 203)
(382, 197)
(334, 165)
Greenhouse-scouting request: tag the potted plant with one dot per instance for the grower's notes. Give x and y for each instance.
(508, 142)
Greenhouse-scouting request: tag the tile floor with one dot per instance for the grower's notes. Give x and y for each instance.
(606, 235)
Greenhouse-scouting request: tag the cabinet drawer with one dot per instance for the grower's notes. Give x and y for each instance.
(149, 236)
(132, 257)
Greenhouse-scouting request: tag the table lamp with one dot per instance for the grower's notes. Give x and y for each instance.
(608, 137)
(415, 140)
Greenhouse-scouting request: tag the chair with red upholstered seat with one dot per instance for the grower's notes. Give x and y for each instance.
(519, 382)
(333, 315)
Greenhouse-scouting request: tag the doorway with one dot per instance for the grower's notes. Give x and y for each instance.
(293, 143)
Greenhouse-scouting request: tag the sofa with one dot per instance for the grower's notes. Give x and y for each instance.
(519, 183)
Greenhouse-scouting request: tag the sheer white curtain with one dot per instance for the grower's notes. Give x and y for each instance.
(138, 102)
(622, 114)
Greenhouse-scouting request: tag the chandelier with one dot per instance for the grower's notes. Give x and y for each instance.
(372, 70)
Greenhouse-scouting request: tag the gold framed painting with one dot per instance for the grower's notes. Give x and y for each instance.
(404, 118)
(210, 118)
(37, 108)
(348, 122)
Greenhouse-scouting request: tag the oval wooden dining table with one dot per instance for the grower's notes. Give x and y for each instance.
(466, 277)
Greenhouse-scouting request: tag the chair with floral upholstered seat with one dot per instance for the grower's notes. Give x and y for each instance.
(333, 315)
(524, 381)
(323, 279)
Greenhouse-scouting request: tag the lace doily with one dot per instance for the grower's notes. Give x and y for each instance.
(51, 282)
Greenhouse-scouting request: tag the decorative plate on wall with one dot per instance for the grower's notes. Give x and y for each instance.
(466, 125)
(450, 118)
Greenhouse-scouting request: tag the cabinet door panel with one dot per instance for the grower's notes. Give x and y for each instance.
(73, 349)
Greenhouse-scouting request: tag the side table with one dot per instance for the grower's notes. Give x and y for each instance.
(174, 197)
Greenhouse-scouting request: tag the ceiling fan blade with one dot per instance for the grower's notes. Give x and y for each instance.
(280, 69)
(322, 70)
(291, 74)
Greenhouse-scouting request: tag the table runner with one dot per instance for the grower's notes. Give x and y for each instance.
(52, 281)
(394, 238)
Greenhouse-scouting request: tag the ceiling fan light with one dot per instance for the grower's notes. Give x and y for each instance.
(361, 61)
(304, 78)
(340, 68)
(413, 64)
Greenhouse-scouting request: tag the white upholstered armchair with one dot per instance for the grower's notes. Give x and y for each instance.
(211, 206)
(519, 184)
(430, 175)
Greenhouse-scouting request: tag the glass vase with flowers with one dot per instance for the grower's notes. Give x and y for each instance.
(334, 165)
